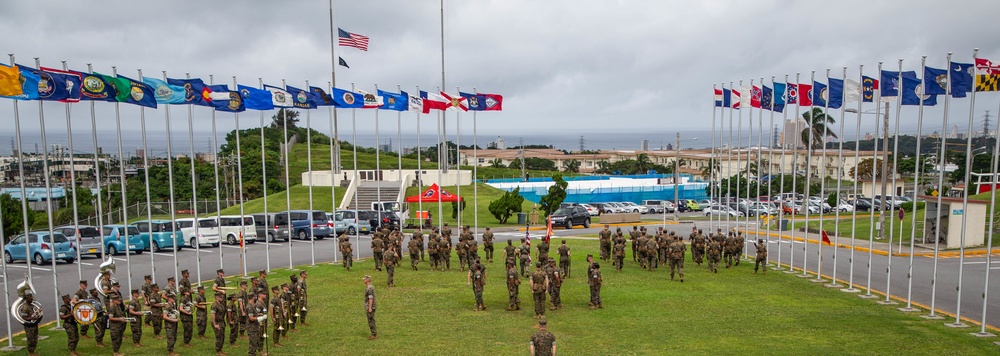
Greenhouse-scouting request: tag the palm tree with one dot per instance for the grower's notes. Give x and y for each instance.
(642, 163)
(712, 167)
(817, 121)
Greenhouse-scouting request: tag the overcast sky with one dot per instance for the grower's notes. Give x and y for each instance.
(562, 66)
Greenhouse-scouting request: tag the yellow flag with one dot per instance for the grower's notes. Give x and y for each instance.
(987, 82)
(10, 81)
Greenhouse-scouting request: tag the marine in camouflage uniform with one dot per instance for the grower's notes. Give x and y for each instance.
(378, 246)
(543, 343)
(488, 244)
(761, 256)
(605, 242)
(555, 283)
(233, 315)
(662, 241)
(418, 235)
(135, 310)
(633, 236)
(564, 259)
(27, 313)
(618, 255)
(186, 310)
(414, 253)
(543, 250)
(242, 300)
(472, 250)
(278, 315)
(219, 312)
(69, 324)
(293, 300)
(444, 251)
(101, 322)
(370, 307)
(714, 249)
(170, 323)
(641, 241)
(260, 309)
(185, 281)
(82, 294)
(513, 286)
(730, 249)
(463, 250)
(738, 246)
(346, 252)
(524, 253)
(697, 246)
(652, 246)
(253, 326)
(432, 250)
(116, 322)
(539, 284)
(477, 279)
(201, 305)
(147, 295)
(595, 287)
(303, 297)
(676, 255)
(510, 253)
(389, 260)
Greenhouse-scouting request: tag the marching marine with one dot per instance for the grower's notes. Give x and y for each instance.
(488, 244)
(69, 323)
(513, 285)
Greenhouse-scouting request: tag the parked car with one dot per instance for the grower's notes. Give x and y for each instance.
(635, 208)
(760, 209)
(264, 226)
(230, 227)
(304, 224)
(844, 206)
(87, 238)
(617, 207)
(692, 205)
(866, 204)
(722, 210)
(591, 209)
(41, 247)
(571, 215)
(159, 234)
(207, 232)
(114, 239)
(353, 223)
(380, 219)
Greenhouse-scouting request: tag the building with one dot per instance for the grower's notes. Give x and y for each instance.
(791, 137)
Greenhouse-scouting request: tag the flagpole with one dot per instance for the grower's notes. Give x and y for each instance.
(149, 204)
(458, 166)
(891, 204)
(399, 140)
(729, 163)
(443, 144)
(97, 165)
(442, 115)
(354, 146)
(711, 168)
(840, 174)
(20, 170)
(288, 185)
(378, 167)
(420, 172)
(916, 188)
(989, 240)
(806, 190)
(194, 183)
(940, 184)
(263, 170)
(746, 218)
(48, 194)
(965, 206)
(218, 201)
(72, 179)
(857, 168)
(170, 202)
(239, 185)
(121, 172)
(781, 169)
(312, 237)
(335, 139)
(6, 297)
(333, 187)
(795, 174)
(739, 164)
(3, 239)
(875, 174)
(770, 167)
(760, 135)
(822, 180)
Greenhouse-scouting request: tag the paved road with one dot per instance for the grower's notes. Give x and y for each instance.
(281, 255)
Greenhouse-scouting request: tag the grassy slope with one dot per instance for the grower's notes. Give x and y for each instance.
(864, 224)
(486, 195)
(734, 310)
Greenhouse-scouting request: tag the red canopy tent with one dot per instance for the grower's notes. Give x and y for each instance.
(431, 196)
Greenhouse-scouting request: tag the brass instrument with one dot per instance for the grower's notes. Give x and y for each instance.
(23, 289)
(147, 312)
(173, 314)
(106, 266)
(131, 319)
(187, 307)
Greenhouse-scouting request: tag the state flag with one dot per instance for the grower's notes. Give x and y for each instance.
(852, 90)
(393, 101)
(321, 97)
(193, 90)
(279, 97)
(490, 102)
(805, 94)
(755, 95)
(766, 98)
(913, 92)
(10, 81)
(734, 98)
(746, 93)
(868, 87)
(434, 101)
(131, 91)
(59, 85)
(222, 99)
(164, 92)
(987, 82)
(456, 102)
(890, 83)
(371, 101)
(726, 98)
(347, 99)
(779, 94)
(255, 99)
(301, 99)
(718, 98)
(416, 103)
(961, 79)
(28, 82)
(792, 94)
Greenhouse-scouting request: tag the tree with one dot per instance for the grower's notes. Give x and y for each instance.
(285, 116)
(13, 219)
(866, 168)
(817, 122)
(833, 200)
(711, 168)
(643, 163)
(557, 193)
(496, 163)
(508, 204)
(572, 166)
(455, 207)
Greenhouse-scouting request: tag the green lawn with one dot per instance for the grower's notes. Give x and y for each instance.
(732, 312)
(486, 195)
(864, 225)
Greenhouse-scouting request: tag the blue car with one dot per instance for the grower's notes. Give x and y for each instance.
(114, 240)
(159, 234)
(42, 248)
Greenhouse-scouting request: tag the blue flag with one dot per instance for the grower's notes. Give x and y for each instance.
(394, 101)
(890, 82)
(935, 81)
(57, 86)
(322, 98)
(347, 99)
(255, 99)
(726, 101)
(818, 94)
(194, 89)
(301, 99)
(961, 79)
(165, 93)
(836, 93)
(912, 92)
(29, 84)
(868, 86)
(766, 97)
(222, 99)
(139, 93)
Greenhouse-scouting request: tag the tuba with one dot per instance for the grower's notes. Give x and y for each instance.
(106, 266)
(23, 289)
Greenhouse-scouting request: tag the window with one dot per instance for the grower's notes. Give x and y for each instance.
(319, 215)
(19, 240)
(89, 231)
(163, 227)
(106, 231)
(56, 238)
(185, 224)
(132, 231)
(142, 226)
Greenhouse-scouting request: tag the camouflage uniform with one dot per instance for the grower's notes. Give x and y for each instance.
(233, 314)
(543, 250)
(117, 327)
(303, 300)
(370, 295)
(618, 255)
(432, 250)
(761, 256)
(555, 283)
(676, 256)
(202, 308)
(414, 253)
(135, 310)
(389, 260)
(82, 294)
(510, 253)
(477, 275)
(187, 320)
(543, 341)
(463, 252)
(605, 243)
(419, 236)
(564, 260)
(538, 287)
(377, 248)
(26, 312)
(72, 336)
(641, 241)
(697, 247)
(633, 236)
(488, 244)
(219, 313)
(714, 249)
(156, 309)
(444, 251)
(513, 286)
(253, 327)
(170, 327)
(595, 287)
(346, 252)
(651, 249)
(524, 252)
(738, 246)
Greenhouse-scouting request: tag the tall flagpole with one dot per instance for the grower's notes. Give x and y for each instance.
(149, 205)
(770, 167)
(739, 142)
(420, 172)
(795, 174)
(940, 184)
(218, 201)
(239, 185)
(399, 141)
(443, 143)
(875, 174)
(72, 179)
(48, 193)
(729, 162)
(781, 170)
(378, 166)
(194, 184)
(263, 170)
(458, 166)
(711, 167)
(121, 172)
(444, 121)
(333, 161)
(760, 135)
(840, 175)
(857, 167)
(6, 296)
(806, 200)
(475, 170)
(965, 207)
(916, 188)
(20, 170)
(354, 146)
(989, 239)
(288, 185)
(822, 178)
(891, 203)
(335, 146)
(97, 166)
(170, 201)
(312, 234)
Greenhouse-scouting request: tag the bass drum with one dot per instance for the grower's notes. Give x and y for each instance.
(85, 312)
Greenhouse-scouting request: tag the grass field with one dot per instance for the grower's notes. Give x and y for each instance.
(486, 194)
(732, 312)
(863, 225)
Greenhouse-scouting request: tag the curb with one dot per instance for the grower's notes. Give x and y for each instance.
(880, 252)
(641, 223)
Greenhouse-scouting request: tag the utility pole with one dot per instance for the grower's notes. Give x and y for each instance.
(986, 124)
(677, 176)
(885, 177)
(521, 153)
(581, 143)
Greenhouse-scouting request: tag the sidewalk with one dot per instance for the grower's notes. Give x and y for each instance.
(878, 247)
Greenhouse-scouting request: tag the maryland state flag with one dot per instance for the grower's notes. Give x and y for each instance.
(987, 82)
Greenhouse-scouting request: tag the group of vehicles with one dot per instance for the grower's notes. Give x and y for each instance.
(797, 204)
(158, 235)
(653, 206)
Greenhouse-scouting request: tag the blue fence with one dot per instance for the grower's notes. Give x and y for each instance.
(621, 194)
(587, 178)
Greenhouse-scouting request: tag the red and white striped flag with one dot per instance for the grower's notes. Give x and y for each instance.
(348, 39)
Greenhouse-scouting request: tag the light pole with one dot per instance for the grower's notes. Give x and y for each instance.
(677, 177)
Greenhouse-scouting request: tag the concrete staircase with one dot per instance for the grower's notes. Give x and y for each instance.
(368, 192)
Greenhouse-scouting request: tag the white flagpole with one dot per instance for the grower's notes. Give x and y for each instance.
(170, 201)
(97, 166)
(263, 173)
(312, 233)
(729, 163)
(334, 161)
(965, 207)
(443, 144)
(940, 184)
(795, 174)
(3, 239)
(218, 201)
(739, 142)
(806, 200)
(857, 168)
(20, 170)
(781, 170)
(916, 188)
(875, 174)
(194, 184)
(6, 297)
(399, 142)
(121, 172)
(48, 194)
(72, 179)
(711, 162)
(891, 203)
(335, 138)
(149, 205)
(420, 172)
(288, 186)
(746, 219)
(458, 166)
(770, 167)
(989, 239)
(760, 135)
(354, 146)
(475, 171)
(822, 181)
(239, 185)
(840, 177)
(378, 167)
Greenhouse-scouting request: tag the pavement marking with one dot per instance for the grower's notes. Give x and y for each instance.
(163, 254)
(36, 268)
(86, 263)
(980, 262)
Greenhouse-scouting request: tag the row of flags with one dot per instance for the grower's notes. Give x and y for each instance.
(912, 90)
(49, 84)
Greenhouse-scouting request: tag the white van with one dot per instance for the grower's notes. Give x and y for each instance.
(229, 229)
(207, 231)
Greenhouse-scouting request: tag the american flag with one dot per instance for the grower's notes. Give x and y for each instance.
(352, 40)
